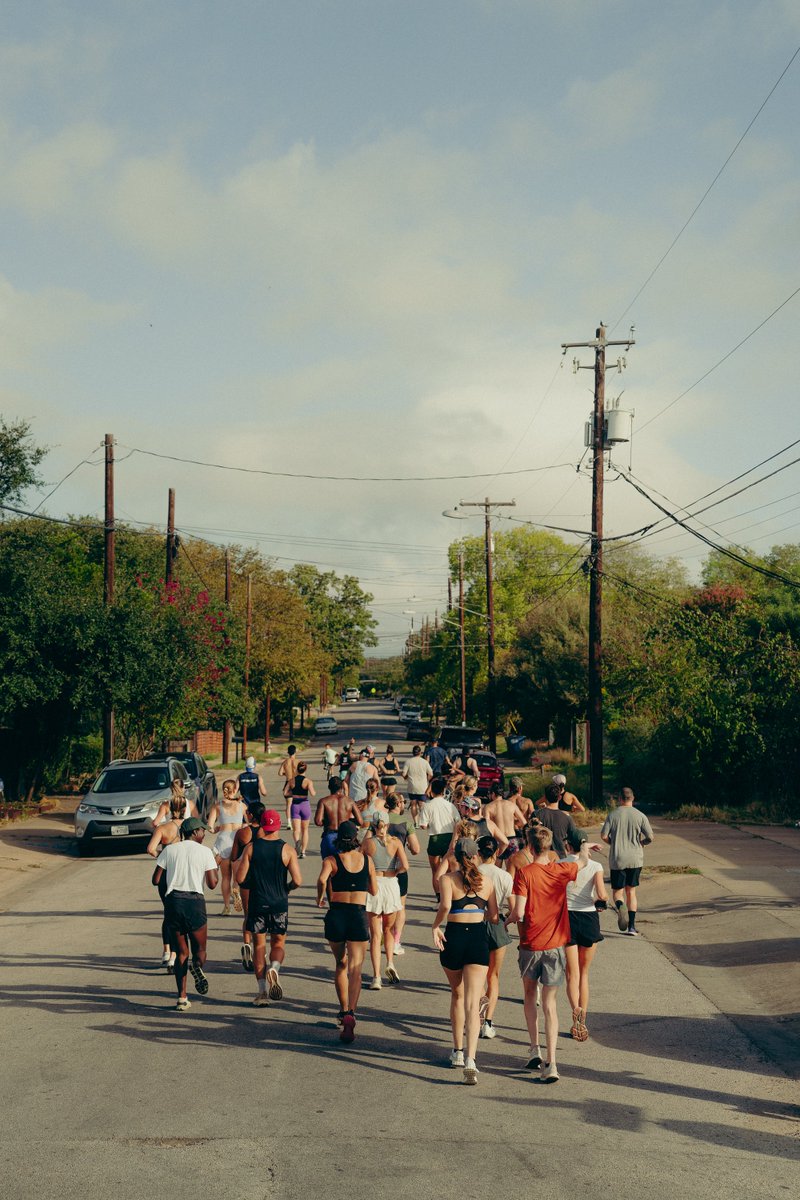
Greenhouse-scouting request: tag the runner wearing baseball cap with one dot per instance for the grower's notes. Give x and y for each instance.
(188, 867)
(272, 871)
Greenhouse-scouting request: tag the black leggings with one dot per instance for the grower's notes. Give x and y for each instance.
(162, 891)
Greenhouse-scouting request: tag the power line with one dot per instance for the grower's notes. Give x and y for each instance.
(719, 363)
(341, 478)
(705, 194)
(84, 462)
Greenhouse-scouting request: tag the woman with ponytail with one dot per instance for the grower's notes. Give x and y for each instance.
(467, 898)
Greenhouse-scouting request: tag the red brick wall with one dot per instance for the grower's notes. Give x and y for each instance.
(208, 741)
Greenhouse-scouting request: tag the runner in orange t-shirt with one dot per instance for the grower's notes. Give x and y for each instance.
(540, 908)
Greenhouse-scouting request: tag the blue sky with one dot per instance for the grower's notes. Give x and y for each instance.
(348, 238)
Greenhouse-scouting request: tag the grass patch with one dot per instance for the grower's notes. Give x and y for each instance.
(673, 871)
(757, 812)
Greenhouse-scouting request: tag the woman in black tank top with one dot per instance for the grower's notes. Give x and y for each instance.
(347, 877)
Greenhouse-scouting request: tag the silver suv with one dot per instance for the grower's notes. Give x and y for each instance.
(123, 801)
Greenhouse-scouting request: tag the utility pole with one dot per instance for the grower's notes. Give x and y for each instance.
(226, 729)
(171, 543)
(109, 562)
(491, 685)
(449, 594)
(599, 344)
(247, 659)
(461, 637)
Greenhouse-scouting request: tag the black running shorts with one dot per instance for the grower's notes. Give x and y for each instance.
(185, 912)
(267, 921)
(584, 928)
(625, 877)
(346, 923)
(465, 942)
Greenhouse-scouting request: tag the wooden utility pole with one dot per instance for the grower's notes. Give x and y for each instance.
(171, 546)
(226, 729)
(449, 594)
(267, 722)
(491, 684)
(598, 445)
(461, 637)
(109, 562)
(247, 658)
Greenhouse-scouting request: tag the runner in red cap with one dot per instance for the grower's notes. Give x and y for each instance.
(272, 871)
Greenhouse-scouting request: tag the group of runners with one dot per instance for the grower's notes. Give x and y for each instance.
(493, 864)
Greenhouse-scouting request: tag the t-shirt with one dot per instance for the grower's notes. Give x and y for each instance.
(185, 864)
(560, 824)
(545, 923)
(418, 772)
(436, 756)
(580, 894)
(438, 816)
(401, 825)
(502, 883)
(330, 757)
(625, 826)
(359, 775)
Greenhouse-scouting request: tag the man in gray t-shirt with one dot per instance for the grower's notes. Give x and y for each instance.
(627, 831)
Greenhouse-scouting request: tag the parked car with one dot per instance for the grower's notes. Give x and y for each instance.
(418, 730)
(203, 790)
(453, 737)
(323, 726)
(123, 801)
(490, 771)
(410, 714)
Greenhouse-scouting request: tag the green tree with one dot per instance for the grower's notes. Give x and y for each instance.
(338, 609)
(19, 458)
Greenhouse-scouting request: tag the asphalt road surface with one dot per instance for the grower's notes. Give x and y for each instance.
(108, 1091)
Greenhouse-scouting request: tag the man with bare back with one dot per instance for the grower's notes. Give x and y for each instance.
(507, 817)
(332, 810)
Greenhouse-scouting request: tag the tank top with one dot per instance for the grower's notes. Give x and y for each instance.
(298, 789)
(248, 786)
(382, 860)
(483, 828)
(350, 881)
(390, 766)
(267, 877)
(230, 818)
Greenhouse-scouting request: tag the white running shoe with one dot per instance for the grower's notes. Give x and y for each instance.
(183, 1004)
(470, 1071)
(376, 984)
(261, 1000)
(165, 958)
(399, 950)
(549, 1073)
(456, 1058)
(391, 974)
(488, 1030)
(274, 985)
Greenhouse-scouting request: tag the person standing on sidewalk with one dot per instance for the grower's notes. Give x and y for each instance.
(540, 908)
(627, 831)
(189, 866)
(272, 871)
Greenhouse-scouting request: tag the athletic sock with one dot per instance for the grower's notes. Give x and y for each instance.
(631, 920)
(275, 966)
(262, 985)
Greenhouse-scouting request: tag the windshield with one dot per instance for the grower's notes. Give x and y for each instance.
(133, 779)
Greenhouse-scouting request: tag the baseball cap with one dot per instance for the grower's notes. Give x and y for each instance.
(250, 763)
(466, 847)
(379, 818)
(560, 779)
(575, 839)
(348, 830)
(191, 825)
(271, 820)
(472, 803)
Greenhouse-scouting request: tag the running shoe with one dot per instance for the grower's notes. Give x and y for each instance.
(237, 901)
(274, 985)
(456, 1058)
(483, 1007)
(171, 965)
(633, 933)
(376, 984)
(198, 975)
(534, 1060)
(261, 1000)
(348, 1033)
(622, 916)
(165, 958)
(549, 1073)
(399, 950)
(470, 1072)
(183, 1004)
(247, 956)
(226, 910)
(488, 1030)
(391, 974)
(579, 1032)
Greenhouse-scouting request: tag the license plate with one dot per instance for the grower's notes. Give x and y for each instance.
(116, 830)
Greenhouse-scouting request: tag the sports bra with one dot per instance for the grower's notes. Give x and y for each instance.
(299, 791)
(349, 881)
(226, 818)
(390, 766)
(469, 903)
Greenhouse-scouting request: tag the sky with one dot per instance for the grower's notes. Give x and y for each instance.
(348, 237)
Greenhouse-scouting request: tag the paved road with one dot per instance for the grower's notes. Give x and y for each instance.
(107, 1090)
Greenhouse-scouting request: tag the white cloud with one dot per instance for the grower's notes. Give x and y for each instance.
(33, 322)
